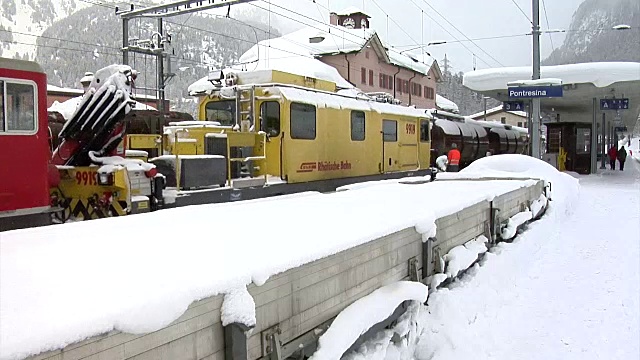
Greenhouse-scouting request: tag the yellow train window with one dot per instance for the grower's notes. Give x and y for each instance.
(424, 130)
(390, 130)
(270, 114)
(303, 121)
(357, 125)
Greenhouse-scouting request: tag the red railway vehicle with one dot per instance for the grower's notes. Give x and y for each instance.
(25, 170)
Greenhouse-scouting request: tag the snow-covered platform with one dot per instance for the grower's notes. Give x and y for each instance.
(187, 283)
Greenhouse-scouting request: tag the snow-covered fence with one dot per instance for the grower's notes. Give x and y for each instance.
(294, 308)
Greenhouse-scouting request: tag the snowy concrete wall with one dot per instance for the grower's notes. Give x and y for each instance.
(456, 229)
(300, 299)
(516, 201)
(297, 301)
(197, 334)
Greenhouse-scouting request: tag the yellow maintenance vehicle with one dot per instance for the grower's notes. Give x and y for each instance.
(269, 132)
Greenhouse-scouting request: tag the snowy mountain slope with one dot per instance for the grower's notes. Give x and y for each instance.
(91, 38)
(21, 17)
(590, 37)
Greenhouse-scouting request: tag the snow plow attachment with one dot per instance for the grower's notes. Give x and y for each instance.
(96, 181)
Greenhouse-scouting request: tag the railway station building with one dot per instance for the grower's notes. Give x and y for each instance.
(358, 54)
(580, 124)
(498, 114)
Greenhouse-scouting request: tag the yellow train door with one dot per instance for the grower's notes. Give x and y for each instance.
(424, 144)
(270, 115)
(390, 149)
(408, 144)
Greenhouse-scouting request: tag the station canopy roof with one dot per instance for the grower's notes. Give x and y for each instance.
(581, 84)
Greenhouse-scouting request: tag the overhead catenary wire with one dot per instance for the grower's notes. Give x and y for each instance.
(522, 11)
(460, 31)
(450, 34)
(544, 7)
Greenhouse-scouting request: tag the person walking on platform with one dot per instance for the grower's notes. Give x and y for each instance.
(622, 157)
(454, 158)
(613, 154)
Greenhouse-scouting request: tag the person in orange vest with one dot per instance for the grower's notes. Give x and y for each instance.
(454, 158)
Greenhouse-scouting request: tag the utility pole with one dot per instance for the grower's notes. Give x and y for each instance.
(160, 68)
(148, 47)
(484, 100)
(534, 131)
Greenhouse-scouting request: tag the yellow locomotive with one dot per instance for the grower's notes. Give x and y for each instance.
(268, 129)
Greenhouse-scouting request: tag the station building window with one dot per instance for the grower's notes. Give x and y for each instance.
(503, 120)
(303, 121)
(18, 107)
(363, 75)
(370, 77)
(357, 126)
(389, 130)
(424, 130)
(519, 123)
(270, 113)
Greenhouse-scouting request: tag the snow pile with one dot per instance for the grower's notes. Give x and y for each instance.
(396, 343)
(462, 257)
(447, 105)
(599, 74)
(538, 205)
(238, 307)
(112, 164)
(633, 150)
(46, 303)
(360, 316)
(564, 188)
(535, 298)
(66, 108)
(509, 231)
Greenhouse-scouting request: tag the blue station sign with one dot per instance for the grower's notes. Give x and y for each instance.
(614, 104)
(530, 92)
(513, 106)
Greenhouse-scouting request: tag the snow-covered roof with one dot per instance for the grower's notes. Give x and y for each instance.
(600, 74)
(495, 110)
(53, 88)
(446, 104)
(335, 40)
(350, 10)
(419, 63)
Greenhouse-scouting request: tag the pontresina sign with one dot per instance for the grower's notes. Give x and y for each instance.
(530, 92)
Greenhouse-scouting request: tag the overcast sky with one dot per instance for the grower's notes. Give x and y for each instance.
(475, 18)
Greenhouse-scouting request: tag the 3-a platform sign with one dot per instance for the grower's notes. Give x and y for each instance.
(614, 104)
(531, 92)
(513, 106)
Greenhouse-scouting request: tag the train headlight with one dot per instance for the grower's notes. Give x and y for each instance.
(105, 179)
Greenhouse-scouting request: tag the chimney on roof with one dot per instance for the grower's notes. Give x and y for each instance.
(333, 18)
(86, 81)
